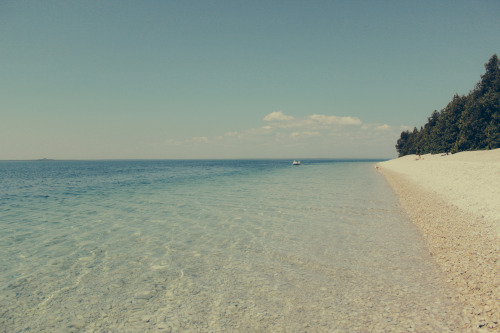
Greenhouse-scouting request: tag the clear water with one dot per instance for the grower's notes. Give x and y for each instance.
(211, 246)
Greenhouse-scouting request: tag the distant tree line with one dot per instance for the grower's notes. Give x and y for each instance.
(469, 122)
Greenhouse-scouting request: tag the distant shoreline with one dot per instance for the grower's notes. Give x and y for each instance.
(208, 159)
(453, 200)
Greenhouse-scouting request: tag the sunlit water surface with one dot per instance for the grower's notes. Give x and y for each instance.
(211, 246)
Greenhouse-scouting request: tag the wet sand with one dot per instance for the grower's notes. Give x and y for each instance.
(455, 202)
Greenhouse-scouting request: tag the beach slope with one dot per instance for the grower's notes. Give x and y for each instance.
(455, 201)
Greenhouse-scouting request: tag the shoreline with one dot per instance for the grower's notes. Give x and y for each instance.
(464, 243)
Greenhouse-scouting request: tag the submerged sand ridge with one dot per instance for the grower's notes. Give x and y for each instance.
(455, 202)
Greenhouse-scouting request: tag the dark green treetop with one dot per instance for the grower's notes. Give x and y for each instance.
(469, 122)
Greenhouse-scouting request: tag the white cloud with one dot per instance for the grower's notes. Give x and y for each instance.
(304, 135)
(200, 139)
(278, 126)
(277, 116)
(173, 142)
(282, 134)
(259, 131)
(312, 122)
(383, 127)
(377, 127)
(334, 120)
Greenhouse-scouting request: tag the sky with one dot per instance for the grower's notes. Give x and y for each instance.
(232, 79)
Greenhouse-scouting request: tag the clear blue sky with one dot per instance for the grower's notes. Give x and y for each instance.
(232, 79)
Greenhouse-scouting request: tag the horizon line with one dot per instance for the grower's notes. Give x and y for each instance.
(195, 159)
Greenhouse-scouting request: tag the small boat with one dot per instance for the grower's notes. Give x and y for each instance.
(296, 162)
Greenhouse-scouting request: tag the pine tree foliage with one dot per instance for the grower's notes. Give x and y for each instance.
(469, 122)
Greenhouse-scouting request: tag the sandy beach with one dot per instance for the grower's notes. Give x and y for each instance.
(455, 201)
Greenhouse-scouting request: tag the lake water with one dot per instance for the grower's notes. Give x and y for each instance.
(212, 246)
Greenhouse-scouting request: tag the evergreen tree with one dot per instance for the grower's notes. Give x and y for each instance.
(490, 102)
(402, 143)
(450, 119)
(469, 122)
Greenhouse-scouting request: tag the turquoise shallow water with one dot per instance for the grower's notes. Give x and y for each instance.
(161, 246)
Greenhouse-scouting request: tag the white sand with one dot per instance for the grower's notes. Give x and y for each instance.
(468, 180)
(455, 202)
